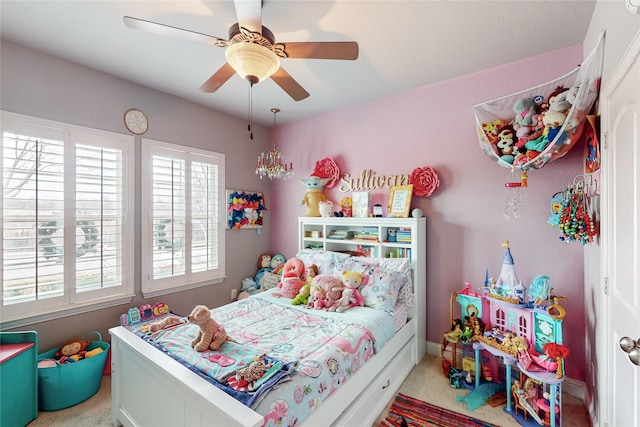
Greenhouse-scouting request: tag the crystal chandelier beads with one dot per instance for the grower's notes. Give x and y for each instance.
(271, 163)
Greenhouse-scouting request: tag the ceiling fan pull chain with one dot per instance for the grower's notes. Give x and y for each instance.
(250, 111)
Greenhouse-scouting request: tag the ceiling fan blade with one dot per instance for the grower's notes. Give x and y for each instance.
(322, 50)
(168, 30)
(289, 85)
(218, 79)
(249, 13)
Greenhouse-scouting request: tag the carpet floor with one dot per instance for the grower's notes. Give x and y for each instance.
(425, 382)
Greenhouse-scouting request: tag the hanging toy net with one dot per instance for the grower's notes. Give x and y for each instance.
(530, 128)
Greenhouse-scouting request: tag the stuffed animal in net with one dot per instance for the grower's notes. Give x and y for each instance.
(211, 335)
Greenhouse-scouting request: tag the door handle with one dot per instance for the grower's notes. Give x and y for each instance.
(632, 348)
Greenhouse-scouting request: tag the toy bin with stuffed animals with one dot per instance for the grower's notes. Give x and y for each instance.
(67, 383)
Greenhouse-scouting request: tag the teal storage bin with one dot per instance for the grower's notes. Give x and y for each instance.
(18, 378)
(68, 384)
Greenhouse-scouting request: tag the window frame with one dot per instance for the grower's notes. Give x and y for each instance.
(155, 287)
(73, 301)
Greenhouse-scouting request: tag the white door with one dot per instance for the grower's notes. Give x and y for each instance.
(621, 239)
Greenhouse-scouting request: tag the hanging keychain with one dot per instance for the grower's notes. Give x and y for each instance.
(514, 204)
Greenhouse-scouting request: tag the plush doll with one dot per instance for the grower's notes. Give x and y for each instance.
(291, 282)
(293, 267)
(165, 323)
(346, 206)
(327, 283)
(314, 195)
(277, 263)
(491, 129)
(351, 297)
(303, 295)
(316, 297)
(325, 207)
(264, 261)
(506, 144)
(525, 109)
(72, 350)
(211, 334)
(310, 272)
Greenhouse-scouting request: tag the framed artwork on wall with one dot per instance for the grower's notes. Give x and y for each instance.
(400, 200)
(244, 209)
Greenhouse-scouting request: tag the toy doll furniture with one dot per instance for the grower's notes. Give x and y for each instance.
(18, 378)
(150, 387)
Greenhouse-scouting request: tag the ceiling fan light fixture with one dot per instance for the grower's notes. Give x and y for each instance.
(252, 61)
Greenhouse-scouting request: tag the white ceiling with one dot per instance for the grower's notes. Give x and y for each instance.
(403, 44)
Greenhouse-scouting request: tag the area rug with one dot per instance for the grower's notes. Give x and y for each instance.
(406, 411)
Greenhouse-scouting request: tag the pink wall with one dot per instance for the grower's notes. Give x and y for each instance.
(434, 126)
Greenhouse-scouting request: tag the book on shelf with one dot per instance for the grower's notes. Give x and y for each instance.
(367, 251)
(341, 235)
(366, 233)
(403, 235)
(399, 253)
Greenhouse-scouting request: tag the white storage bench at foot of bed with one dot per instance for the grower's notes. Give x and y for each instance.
(149, 388)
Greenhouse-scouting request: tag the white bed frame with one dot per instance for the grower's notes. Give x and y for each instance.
(149, 388)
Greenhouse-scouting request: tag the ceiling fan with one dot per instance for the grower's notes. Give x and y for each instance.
(251, 50)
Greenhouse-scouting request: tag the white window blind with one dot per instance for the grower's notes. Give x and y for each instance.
(66, 210)
(183, 223)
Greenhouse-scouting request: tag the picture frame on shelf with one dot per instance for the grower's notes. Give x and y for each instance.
(400, 201)
(360, 204)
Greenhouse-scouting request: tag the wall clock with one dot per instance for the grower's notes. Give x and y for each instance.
(136, 121)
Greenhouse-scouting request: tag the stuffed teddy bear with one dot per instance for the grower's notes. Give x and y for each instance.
(211, 334)
(351, 297)
(314, 195)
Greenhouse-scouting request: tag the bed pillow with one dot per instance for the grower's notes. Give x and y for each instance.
(379, 286)
(400, 265)
(324, 260)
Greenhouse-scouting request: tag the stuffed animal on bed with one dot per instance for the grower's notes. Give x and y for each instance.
(351, 297)
(328, 283)
(316, 297)
(167, 322)
(211, 335)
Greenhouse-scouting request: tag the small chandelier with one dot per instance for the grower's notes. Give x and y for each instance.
(271, 164)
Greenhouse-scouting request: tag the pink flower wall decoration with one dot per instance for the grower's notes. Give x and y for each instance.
(425, 181)
(327, 168)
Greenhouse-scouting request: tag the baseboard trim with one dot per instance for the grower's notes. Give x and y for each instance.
(571, 386)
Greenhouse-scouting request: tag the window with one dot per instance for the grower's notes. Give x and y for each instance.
(183, 218)
(66, 219)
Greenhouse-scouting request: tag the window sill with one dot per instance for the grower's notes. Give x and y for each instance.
(84, 307)
(154, 293)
